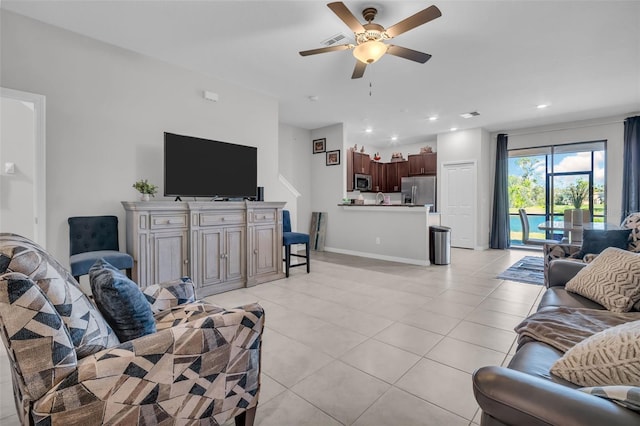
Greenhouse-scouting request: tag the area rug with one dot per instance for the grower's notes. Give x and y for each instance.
(529, 269)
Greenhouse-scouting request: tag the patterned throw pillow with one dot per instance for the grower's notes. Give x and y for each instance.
(627, 396)
(170, 294)
(89, 331)
(612, 280)
(609, 357)
(121, 302)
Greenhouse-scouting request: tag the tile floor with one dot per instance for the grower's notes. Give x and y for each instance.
(365, 342)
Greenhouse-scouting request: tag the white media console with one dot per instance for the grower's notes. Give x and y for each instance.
(221, 245)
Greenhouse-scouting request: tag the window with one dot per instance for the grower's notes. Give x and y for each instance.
(547, 181)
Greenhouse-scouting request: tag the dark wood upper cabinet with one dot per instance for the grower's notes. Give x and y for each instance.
(377, 176)
(361, 163)
(357, 163)
(423, 164)
(394, 173)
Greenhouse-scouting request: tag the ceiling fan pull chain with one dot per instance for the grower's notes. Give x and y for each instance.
(370, 88)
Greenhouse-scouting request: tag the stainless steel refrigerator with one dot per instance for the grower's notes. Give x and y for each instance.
(419, 190)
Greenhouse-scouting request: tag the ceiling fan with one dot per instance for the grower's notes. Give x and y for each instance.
(370, 37)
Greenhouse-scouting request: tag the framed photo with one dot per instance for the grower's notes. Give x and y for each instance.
(333, 157)
(319, 145)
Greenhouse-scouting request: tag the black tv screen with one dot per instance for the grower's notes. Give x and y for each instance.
(195, 167)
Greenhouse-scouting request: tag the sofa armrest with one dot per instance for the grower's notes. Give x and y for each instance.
(561, 271)
(184, 313)
(516, 398)
(209, 367)
(170, 294)
(558, 251)
(39, 346)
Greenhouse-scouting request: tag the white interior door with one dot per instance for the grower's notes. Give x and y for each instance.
(459, 200)
(22, 165)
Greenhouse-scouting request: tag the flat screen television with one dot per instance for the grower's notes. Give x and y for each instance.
(195, 167)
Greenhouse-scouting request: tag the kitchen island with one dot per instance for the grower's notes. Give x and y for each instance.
(394, 232)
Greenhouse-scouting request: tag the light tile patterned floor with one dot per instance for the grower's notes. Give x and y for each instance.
(366, 342)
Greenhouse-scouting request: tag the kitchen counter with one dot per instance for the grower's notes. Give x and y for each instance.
(381, 205)
(395, 232)
(399, 207)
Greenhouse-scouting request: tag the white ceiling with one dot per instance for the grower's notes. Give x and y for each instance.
(500, 58)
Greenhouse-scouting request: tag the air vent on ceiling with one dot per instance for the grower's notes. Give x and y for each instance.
(470, 114)
(336, 39)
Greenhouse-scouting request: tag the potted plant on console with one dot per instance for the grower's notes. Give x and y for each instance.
(146, 189)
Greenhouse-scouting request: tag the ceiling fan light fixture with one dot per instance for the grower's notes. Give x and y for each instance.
(369, 51)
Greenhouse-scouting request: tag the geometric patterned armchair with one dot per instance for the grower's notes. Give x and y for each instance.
(202, 366)
(571, 251)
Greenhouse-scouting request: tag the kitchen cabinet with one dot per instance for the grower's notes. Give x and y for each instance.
(395, 171)
(357, 163)
(423, 164)
(361, 163)
(221, 245)
(377, 176)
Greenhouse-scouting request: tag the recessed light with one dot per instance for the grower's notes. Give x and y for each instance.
(313, 98)
(368, 130)
(453, 129)
(394, 138)
(433, 118)
(542, 106)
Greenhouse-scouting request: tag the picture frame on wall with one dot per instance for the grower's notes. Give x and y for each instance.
(319, 146)
(333, 157)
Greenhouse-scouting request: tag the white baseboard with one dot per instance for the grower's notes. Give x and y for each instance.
(379, 256)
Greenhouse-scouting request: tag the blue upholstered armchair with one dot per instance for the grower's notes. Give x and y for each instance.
(92, 238)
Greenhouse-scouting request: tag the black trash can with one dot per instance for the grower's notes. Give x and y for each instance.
(439, 245)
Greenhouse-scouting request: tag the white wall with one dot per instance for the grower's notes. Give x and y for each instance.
(294, 152)
(471, 145)
(17, 145)
(107, 109)
(610, 129)
(328, 182)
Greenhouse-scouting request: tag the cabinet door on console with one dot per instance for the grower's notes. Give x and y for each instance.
(211, 256)
(169, 256)
(234, 253)
(265, 257)
(221, 254)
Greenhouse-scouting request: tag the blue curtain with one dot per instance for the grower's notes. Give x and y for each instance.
(500, 229)
(631, 167)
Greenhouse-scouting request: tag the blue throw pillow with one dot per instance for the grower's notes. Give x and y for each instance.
(121, 302)
(595, 241)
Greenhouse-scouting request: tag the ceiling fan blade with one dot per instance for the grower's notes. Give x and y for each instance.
(325, 50)
(412, 55)
(347, 17)
(358, 71)
(422, 17)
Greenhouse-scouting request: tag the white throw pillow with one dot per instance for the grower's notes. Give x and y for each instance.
(612, 280)
(610, 357)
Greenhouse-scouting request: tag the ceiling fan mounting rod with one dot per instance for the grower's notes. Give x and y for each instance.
(369, 14)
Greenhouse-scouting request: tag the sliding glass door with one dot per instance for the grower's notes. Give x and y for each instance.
(549, 181)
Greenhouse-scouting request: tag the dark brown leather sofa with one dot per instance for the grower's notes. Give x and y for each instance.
(525, 392)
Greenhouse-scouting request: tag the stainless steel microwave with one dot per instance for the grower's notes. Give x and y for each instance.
(362, 182)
